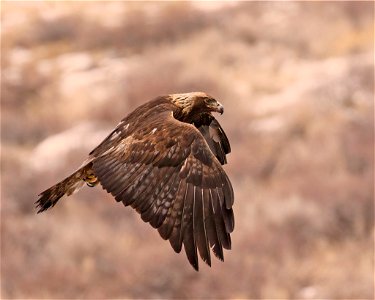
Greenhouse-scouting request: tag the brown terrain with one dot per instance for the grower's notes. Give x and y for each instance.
(297, 83)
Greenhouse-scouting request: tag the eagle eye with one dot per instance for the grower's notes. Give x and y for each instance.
(210, 101)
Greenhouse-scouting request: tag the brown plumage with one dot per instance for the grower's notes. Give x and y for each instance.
(164, 160)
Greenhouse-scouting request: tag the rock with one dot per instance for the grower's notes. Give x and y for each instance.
(53, 152)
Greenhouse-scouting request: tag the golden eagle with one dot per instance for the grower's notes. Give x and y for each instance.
(164, 160)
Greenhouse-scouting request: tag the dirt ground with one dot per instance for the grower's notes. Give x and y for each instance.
(297, 83)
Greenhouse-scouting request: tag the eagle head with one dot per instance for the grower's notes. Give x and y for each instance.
(195, 103)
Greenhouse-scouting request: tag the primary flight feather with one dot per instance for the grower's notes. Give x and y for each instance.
(165, 160)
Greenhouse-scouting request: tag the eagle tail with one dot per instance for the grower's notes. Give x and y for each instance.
(68, 186)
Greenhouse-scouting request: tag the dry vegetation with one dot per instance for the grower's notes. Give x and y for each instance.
(297, 83)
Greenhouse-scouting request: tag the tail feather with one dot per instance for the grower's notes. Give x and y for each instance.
(68, 186)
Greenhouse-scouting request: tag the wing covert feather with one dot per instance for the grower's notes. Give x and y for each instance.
(167, 172)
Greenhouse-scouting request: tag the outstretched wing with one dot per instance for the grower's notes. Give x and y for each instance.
(214, 135)
(165, 170)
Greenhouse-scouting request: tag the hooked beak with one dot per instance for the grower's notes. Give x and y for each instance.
(220, 108)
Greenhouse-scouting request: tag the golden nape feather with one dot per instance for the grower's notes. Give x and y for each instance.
(165, 160)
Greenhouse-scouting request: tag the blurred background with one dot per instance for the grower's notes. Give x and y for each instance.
(296, 80)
